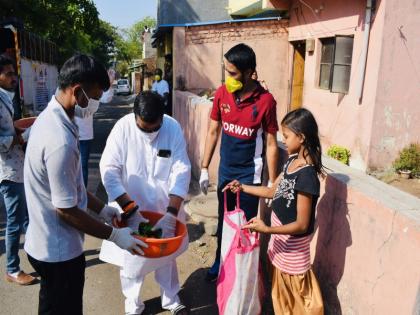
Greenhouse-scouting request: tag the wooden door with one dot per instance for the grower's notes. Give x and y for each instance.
(298, 74)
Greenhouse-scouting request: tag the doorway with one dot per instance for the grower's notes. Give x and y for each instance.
(298, 74)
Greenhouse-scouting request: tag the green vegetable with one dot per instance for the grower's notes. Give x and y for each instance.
(145, 230)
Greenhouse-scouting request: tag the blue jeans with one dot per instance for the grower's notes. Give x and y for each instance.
(17, 221)
(84, 156)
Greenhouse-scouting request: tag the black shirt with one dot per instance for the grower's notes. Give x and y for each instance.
(304, 179)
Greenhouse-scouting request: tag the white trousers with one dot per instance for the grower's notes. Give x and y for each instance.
(166, 277)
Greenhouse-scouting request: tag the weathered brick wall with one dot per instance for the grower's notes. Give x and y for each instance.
(256, 30)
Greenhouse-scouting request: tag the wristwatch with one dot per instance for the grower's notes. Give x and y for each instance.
(129, 209)
(172, 210)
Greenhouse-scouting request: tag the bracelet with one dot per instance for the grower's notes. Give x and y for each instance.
(129, 206)
(172, 210)
(127, 203)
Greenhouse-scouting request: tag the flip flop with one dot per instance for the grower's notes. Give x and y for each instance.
(180, 310)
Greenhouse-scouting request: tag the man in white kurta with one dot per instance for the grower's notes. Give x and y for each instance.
(145, 162)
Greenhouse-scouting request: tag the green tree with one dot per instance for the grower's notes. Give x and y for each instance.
(129, 44)
(122, 68)
(74, 25)
(104, 42)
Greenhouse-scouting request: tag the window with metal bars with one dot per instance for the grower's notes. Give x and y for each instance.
(335, 66)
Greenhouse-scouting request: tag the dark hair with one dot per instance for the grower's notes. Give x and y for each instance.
(302, 122)
(149, 106)
(5, 61)
(85, 70)
(242, 57)
(159, 71)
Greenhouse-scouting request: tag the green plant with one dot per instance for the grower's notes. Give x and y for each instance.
(339, 153)
(409, 159)
(146, 230)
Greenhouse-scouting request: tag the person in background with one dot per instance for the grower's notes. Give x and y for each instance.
(168, 70)
(84, 121)
(11, 175)
(57, 197)
(161, 87)
(261, 82)
(295, 289)
(168, 77)
(16, 101)
(245, 113)
(145, 164)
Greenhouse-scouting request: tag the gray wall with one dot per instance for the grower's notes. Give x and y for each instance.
(190, 11)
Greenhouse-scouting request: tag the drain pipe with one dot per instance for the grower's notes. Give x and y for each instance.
(363, 55)
(222, 63)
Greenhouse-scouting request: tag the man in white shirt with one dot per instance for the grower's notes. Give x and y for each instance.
(145, 163)
(11, 175)
(56, 196)
(161, 86)
(84, 121)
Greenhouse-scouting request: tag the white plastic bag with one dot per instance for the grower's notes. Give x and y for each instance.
(239, 286)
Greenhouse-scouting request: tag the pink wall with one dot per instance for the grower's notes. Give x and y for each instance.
(342, 120)
(396, 120)
(193, 114)
(366, 247)
(198, 55)
(388, 118)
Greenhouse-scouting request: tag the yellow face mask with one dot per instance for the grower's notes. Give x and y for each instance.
(157, 77)
(233, 85)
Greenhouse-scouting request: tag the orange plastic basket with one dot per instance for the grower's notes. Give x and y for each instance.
(163, 246)
(24, 123)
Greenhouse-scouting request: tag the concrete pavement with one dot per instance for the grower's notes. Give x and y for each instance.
(102, 293)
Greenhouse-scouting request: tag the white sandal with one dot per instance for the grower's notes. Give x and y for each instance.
(179, 310)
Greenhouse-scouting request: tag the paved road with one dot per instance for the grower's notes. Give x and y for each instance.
(102, 287)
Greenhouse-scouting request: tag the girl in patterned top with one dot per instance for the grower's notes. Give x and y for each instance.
(295, 194)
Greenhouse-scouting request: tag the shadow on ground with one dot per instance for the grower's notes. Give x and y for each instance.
(198, 295)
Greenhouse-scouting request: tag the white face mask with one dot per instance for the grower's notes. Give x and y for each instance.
(93, 104)
(149, 136)
(10, 94)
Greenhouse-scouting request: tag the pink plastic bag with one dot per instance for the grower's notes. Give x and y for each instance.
(239, 286)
